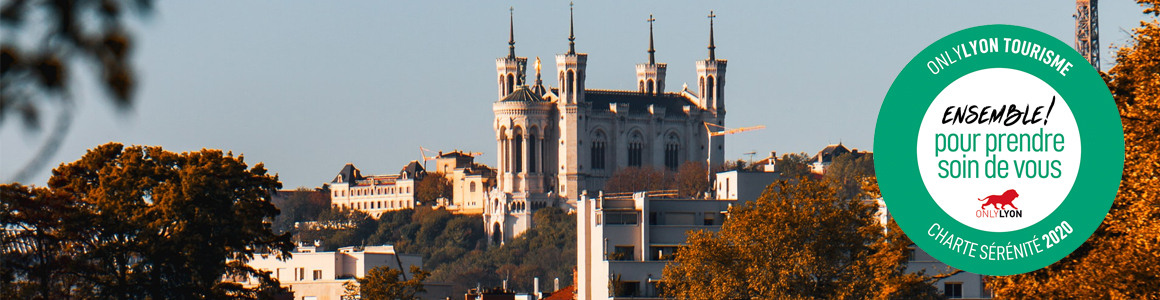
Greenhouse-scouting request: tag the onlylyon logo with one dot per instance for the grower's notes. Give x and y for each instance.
(999, 202)
(998, 149)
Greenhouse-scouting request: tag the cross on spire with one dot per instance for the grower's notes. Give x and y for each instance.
(652, 60)
(571, 33)
(511, 32)
(712, 48)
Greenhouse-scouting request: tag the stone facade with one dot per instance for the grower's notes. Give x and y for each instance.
(554, 143)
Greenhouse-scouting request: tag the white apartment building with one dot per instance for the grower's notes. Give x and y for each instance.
(310, 274)
(627, 239)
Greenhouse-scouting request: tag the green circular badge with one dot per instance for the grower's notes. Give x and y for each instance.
(998, 149)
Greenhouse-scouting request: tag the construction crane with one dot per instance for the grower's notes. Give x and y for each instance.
(751, 154)
(725, 130)
(721, 131)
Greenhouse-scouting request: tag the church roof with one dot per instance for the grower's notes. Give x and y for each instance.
(522, 94)
(638, 102)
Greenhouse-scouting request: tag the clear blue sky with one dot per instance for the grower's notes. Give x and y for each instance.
(307, 86)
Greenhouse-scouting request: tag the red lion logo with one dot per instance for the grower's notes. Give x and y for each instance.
(1001, 201)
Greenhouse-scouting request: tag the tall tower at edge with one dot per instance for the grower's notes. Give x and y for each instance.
(572, 107)
(711, 88)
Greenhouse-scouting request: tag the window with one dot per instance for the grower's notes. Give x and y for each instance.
(625, 289)
(518, 152)
(672, 152)
(620, 218)
(317, 274)
(622, 253)
(910, 255)
(472, 185)
(532, 152)
(301, 273)
(598, 142)
(710, 89)
(663, 253)
(635, 149)
(709, 219)
(680, 218)
(953, 289)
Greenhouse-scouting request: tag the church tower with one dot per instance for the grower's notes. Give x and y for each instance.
(650, 77)
(526, 143)
(510, 68)
(711, 89)
(571, 105)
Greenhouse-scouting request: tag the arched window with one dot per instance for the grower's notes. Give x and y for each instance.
(651, 87)
(641, 86)
(635, 149)
(701, 84)
(511, 81)
(472, 186)
(570, 83)
(518, 152)
(597, 153)
(672, 152)
(532, 141)
(710, 89)
(502, 86)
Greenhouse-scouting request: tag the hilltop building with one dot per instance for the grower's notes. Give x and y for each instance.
(825, 157)
(556, 142)
(376, 194)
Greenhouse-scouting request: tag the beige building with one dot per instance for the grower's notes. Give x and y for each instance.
(470, 182)
(376, 194)
(320, 275)
(556, 142)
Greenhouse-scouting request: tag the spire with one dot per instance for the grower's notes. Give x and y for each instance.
(652, 59)
(511, 32)
(571, 33)
(712, 53)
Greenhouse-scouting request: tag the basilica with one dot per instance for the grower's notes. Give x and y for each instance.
(557, 142)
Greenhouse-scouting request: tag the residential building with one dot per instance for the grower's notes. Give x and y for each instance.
(624, 240)
(311, 274)
(743, 185)
(825, 157)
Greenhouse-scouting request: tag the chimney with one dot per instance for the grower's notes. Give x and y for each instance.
(536, 287)
(556, 284)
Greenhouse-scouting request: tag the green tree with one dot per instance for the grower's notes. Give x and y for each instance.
(799, 240)
(158, 224)
(692, 180)
(636, 179)
(1121, 259)
(848, 173)
(302, 204)
(794, 165)
(38, 244)
(384, 283)
(432, 187)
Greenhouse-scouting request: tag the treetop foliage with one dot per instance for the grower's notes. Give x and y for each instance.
(142, 223)
(1121, 259)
